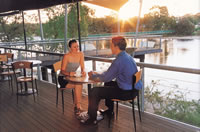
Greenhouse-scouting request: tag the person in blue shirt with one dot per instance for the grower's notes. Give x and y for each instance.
(122, 70)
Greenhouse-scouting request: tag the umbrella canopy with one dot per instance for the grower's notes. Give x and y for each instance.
(10, 5)
(21, 5)
(114, 5)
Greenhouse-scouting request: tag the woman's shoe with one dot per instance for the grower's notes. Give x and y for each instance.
(77, 111)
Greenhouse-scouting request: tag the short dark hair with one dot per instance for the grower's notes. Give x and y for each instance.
(120, 42)
(71, 42)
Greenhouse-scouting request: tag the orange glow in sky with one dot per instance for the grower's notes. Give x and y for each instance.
(131, 8)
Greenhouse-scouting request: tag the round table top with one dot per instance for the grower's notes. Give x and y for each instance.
(84, 79)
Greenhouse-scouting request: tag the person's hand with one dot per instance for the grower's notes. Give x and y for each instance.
(90, 74)
(83, 73)
(71, 74)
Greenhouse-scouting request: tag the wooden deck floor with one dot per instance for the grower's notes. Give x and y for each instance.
(44, 116)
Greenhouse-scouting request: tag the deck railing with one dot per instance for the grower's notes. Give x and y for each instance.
(88, 43)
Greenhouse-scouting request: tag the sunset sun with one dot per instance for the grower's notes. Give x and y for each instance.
(129, 10)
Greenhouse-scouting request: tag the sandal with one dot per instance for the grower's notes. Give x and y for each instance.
(77, 111)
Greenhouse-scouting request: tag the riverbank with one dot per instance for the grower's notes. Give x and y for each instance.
(182, 37)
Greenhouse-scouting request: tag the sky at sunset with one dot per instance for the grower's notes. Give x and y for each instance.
(131, 8)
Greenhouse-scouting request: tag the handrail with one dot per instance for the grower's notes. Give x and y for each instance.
(155, 66)
(36, 51)
(51, 41)
(169, 68)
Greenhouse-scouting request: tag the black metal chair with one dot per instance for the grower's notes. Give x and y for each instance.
(6, 70)
(57, 67)
(136, 78)
(27, 76)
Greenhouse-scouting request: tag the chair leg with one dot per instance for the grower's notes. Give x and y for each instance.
(109, 120)
(33, 91)
(11, 79)
(36, 86)
(117, 110)
(62, 91)
(110, 116)
(138, 102)
(56, 96)
(133, 110)
(73, 95)
(8, 80)
(21, 87)
(17, 92)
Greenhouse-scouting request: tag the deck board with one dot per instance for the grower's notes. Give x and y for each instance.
(43, 115)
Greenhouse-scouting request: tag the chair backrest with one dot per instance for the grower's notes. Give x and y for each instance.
(138, 76)
(9, 55)
(22, 65)
(3, 58)
(57, 66)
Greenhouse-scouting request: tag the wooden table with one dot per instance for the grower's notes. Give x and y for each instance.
(85, 80)
(82, 80)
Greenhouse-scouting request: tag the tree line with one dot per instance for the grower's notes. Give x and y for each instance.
(158, 18)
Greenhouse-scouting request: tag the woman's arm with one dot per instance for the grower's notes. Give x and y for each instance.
(64, 65)
(82, 64)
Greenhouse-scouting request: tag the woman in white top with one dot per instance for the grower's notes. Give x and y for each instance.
(70, 63)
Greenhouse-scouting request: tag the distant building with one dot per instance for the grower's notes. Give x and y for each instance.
(197, 25)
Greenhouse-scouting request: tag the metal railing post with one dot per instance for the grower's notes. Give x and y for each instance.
(93, 65)
(142, 94)
(39, 74)
(97, 45)
(19, 55)
(160, 42)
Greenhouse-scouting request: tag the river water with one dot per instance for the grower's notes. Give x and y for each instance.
(180, 53)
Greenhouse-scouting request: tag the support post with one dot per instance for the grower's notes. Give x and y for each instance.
(41, 31)
(78, 20)
(118, 24)
(142, 94)
(138, 23)
(65, 38)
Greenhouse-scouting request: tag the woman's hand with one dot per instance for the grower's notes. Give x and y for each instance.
(83, 73)
(71, 74)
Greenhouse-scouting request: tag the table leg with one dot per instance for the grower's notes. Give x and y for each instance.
(89, 89)
(26, 90)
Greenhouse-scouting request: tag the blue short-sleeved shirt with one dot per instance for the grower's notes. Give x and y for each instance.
(122, 68)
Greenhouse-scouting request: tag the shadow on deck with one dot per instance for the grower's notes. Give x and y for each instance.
(44, 116)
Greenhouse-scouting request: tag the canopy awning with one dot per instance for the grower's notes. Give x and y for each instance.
(21, 5)
(111, 4)
(12, 5)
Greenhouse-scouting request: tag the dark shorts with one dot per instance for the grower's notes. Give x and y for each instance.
(62, 81)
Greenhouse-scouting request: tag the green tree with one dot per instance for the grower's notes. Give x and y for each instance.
(158, 19)
(103, 25)
(54, 28)
(184, 27)
(72, 20)
(10, 28)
